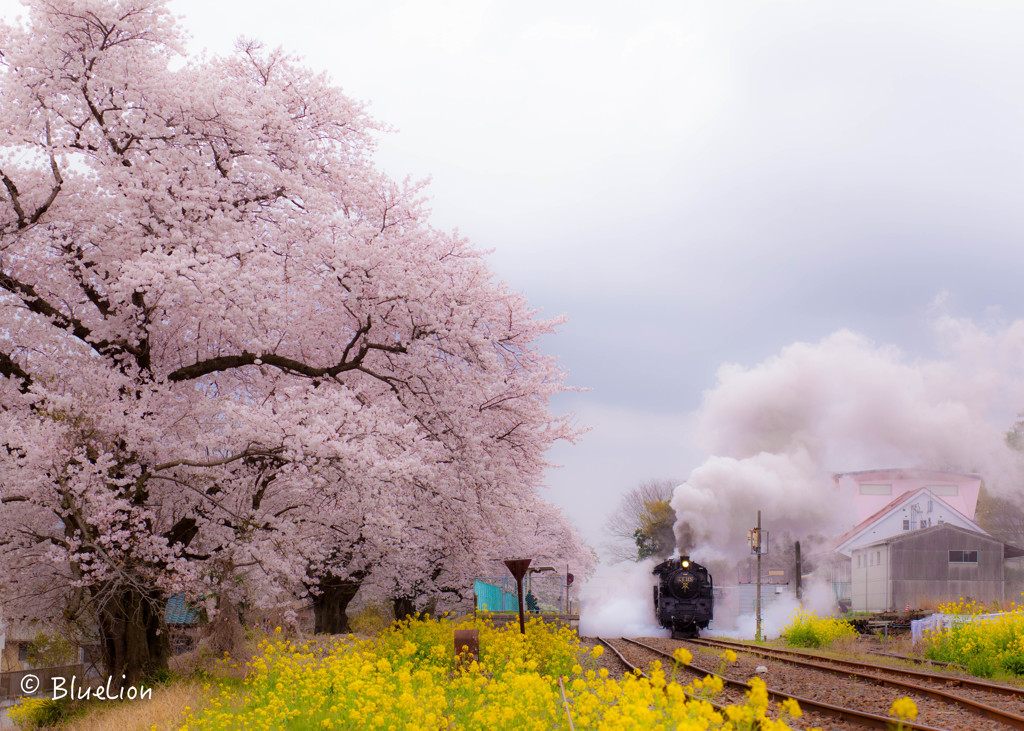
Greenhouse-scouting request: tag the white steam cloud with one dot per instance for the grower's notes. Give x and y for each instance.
(779, 430)
(778, 611)
(618, 601)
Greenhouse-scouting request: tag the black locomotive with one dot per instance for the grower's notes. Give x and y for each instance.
(683, 599)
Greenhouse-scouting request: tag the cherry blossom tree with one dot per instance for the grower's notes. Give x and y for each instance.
(224, 334)
(421, 555)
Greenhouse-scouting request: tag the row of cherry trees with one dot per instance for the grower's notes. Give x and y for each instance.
(235, 359)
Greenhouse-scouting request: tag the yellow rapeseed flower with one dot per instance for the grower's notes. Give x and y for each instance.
(682, 656)
(792, 708)
(904, 709)
(406, 678)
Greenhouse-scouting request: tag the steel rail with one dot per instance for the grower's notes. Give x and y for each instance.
(919, 660)
(1009, 690)
(633, 668)
(856, 669)
(851, 715)
(622, 659)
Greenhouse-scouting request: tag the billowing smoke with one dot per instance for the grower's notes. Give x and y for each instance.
(778, 610)
(779, 430)
(617, 601)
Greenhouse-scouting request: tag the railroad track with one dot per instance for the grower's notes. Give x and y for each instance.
(919, 660)
(999, 703)
(816, 711)
(633, 668)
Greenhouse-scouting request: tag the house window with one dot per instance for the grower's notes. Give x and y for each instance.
(858, 560)
(963, 557)
(23, 651)
(931, 505)
(876, 489)
(878, 558)
(945, 490)
(906, 524)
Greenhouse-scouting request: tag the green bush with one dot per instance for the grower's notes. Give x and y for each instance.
(50, 651)
(807, 629)
(1013, 664)
(371, 619)
(31, 713)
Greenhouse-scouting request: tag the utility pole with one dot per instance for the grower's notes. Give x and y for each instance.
(799, 575)
(757, 600)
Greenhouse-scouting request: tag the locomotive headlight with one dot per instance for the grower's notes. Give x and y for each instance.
(686, 564)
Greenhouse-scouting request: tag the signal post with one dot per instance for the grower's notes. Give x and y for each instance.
(754, 537)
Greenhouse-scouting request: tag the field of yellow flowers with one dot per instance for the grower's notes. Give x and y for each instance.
(407, 678)
(987, 647)
(806, 629)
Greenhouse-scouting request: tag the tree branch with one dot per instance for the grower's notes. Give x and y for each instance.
(10, 368)
(218, 462)
(288, 365)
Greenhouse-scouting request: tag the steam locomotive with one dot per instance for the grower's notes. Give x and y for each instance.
(683, 598)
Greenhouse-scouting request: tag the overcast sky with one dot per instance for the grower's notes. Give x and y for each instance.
(691, 183)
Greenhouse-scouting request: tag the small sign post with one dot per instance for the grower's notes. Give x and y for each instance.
(517, 567)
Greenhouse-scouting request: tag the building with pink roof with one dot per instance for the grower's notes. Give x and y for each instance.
(873, 490)
(931, 511)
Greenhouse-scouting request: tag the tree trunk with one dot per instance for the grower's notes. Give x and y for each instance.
(404, 607)
(133, 635)
(330, 604)
(226, 633)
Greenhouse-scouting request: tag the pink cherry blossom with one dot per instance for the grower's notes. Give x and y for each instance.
(235, 357)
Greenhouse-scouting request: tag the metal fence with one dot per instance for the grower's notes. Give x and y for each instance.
(16, 683)
(494, 598)
(498, 593)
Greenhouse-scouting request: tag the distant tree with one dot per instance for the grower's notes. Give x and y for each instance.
(643, 523)
(1000, 516)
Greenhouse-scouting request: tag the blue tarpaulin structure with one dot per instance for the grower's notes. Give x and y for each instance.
(178, 612)
(494, 598)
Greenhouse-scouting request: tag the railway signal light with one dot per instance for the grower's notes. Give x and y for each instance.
(569, 578)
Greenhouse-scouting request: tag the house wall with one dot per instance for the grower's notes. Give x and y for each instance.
(9, 657)
(869, 584)
(839, 573)
(923, 575)
(966, 487)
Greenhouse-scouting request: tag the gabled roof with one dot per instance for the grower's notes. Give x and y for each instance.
(874, 517)
(891, 507)
(1009, 551)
